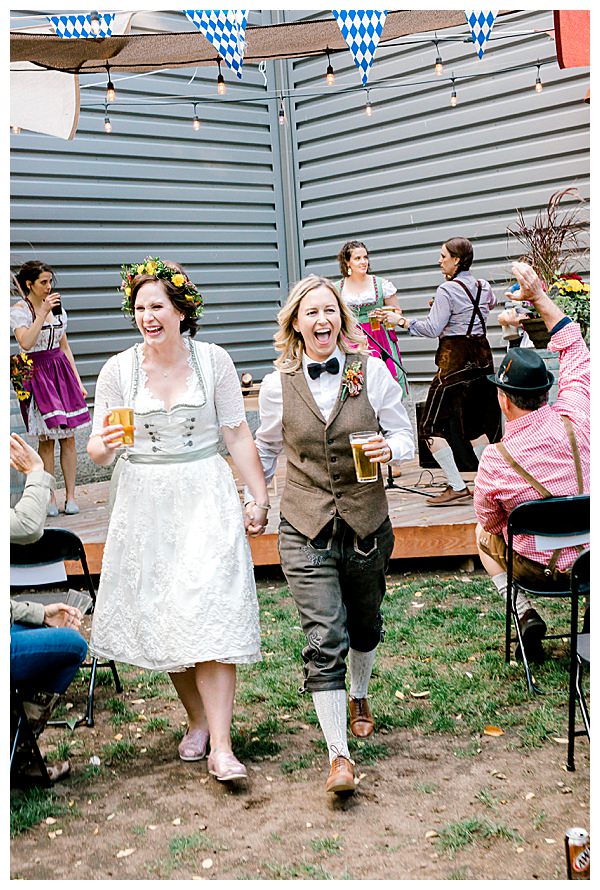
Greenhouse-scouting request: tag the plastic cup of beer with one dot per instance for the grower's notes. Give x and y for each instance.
(123, 415)
(365, 470)
(387, 321)
(374, 321)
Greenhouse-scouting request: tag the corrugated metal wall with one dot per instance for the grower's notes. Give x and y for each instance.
(208, 199)
(248, 206)
(418, 171)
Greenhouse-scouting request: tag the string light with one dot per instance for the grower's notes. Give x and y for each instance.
(368, 106)
(439, 65)
(539, 86)
(111, 93)
(107, 123)
(95, 23)
(221, 88)
(281, 116)
(329, 76)
(453, 99)
(196, 121)
(15, 129)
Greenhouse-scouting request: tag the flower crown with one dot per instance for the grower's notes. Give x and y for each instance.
(159, 269)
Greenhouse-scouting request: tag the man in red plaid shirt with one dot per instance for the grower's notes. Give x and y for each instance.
(551, 443)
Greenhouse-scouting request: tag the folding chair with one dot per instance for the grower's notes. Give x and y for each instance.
(555, 523)
(580, 654)
(22, 734)
(41, 566)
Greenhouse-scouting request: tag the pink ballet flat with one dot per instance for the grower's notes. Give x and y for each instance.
(225, 766)
(193, 744)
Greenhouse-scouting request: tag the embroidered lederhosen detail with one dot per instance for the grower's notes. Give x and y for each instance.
(541, 489)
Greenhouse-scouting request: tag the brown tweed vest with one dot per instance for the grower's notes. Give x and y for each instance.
(321, 481)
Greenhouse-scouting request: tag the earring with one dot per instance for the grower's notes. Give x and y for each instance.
(349, 272)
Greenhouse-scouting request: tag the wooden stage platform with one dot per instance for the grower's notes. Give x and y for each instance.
(419, 530)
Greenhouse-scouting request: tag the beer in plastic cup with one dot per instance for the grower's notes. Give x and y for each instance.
(374, 321)
(123, 415)
(365, 470)
(387, 322)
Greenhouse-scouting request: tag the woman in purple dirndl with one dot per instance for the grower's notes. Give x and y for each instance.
(56, 406)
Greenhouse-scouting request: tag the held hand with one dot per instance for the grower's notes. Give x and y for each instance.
(509, 316)
(22, 456)
(61, 615)
(378, 451)
(393, 316)
(112, 434)
(255, 519)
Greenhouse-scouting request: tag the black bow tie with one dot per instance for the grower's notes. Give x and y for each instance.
(332, 366)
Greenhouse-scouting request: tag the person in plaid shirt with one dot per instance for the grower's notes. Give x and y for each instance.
(551, 443)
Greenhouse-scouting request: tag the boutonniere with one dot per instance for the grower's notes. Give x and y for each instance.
(353, 381)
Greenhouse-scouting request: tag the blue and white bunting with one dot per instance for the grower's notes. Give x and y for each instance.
(226, 30)
(81, 25)
(361, 29)
(481, 22)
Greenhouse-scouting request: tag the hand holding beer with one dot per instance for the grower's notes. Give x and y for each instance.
(369, 448)
(118, 427)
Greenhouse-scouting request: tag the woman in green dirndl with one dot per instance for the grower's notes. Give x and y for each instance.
(375, 304)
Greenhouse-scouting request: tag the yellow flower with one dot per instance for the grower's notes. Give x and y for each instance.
(127, 291)
(586, 288)
(141, 269)
(189, 298)
(178, 280)
(150, 267)
(22, 395)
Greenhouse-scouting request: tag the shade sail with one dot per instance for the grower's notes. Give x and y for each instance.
(147, 52)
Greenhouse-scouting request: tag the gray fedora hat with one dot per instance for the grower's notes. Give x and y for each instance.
(523, 371)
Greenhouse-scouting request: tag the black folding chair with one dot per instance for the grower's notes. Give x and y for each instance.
(555, 523)
(54, 547)
(580, 654)
(23, 740)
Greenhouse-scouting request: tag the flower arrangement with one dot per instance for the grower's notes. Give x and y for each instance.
(352, 381)
(572, 294)
(159, 269)
(21, 370)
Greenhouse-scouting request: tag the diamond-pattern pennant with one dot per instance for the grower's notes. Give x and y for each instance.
(361, 29)
(481, 22)
(226, 30)
(81, 25)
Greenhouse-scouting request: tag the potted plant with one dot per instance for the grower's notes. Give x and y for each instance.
(552, 242)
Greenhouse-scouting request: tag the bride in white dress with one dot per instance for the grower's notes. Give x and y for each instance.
(177, 589)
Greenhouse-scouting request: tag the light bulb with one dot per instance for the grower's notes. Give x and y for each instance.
(439, 66)
(107, 125)
(15, 129)
(369, 108)
(111, 93)
(453, 99)
(281, 115)
(221, 88)
(94, 23)
(196, 122)
(539, 86)
(330, 76)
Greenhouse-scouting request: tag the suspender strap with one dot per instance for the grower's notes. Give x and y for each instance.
(541, 489)
(475, 303)
(574, 451)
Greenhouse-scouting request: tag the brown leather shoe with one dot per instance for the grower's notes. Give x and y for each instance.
(361, 719)
(449, 497)
(341, 775)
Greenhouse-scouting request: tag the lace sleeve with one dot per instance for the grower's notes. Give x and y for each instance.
(20, 316)
(108, 392)
(229, 401)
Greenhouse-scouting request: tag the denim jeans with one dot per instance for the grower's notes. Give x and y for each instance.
(44, 659)
(338, 583)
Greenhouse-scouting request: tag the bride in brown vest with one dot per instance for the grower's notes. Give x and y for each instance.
(335, 536)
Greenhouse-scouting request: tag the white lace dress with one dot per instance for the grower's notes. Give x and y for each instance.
(177, 584)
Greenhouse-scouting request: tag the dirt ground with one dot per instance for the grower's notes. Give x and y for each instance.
(155, 817)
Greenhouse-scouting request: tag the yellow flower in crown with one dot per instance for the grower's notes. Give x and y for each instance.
(141, 269)
(178, 280)
(127, 291)
(150, 267)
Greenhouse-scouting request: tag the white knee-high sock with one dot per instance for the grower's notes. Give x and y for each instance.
(361, 665)
(445, 458)
(330, 706)
(522, 602)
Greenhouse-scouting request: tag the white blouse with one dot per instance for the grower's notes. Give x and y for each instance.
(368, 295)
(53, 329)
